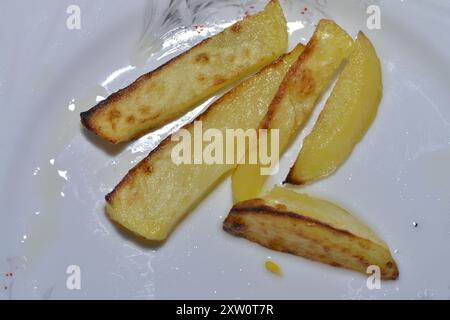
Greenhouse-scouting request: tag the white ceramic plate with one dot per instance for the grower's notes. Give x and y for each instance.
(54, 175)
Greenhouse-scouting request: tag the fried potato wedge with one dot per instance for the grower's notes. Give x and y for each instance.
(346, 117)
(290, 109)
(287, 221)
(156, 194)
(174, 88)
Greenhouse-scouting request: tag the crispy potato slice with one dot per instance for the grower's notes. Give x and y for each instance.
(287, 221)
(172, 89)
(296, 97)
(346, 117)
(157, 193)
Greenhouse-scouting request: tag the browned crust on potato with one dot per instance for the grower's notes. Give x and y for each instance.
(202, 58)
(235, 225)
(258, 206)
(292, 179)
(236, 27)
(129, 176)
(292, 73)
(88, 117)
(291, 176)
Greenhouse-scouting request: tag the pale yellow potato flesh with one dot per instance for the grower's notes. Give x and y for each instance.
(287, 221)
(183, 82)
(303, 85)
(156, 194)
(346, 117)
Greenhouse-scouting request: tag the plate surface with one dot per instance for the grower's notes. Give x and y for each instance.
(54, 175)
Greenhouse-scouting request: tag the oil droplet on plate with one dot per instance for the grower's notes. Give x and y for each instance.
(272, 267)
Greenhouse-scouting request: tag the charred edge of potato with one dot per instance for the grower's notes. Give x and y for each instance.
(291, 179)
(88, 117)
(258, 206)
(235, 225)
(142, 164)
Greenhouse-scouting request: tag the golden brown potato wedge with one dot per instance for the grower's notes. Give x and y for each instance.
(172, 89)
(284, 220)
(296, 97)
(156, 194)
(347, 115)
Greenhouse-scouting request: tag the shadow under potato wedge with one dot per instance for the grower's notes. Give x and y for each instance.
(346, 117)
(291, 107)
(174, 88)
(157, 193)
(287, 221)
